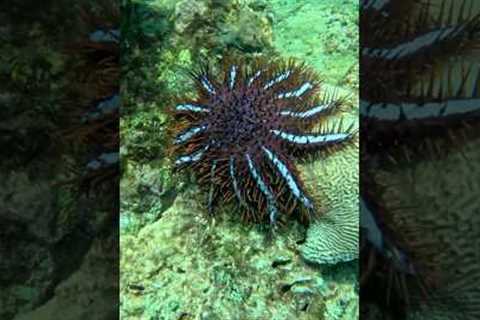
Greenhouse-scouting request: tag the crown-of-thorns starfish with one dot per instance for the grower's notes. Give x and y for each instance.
(240, 136)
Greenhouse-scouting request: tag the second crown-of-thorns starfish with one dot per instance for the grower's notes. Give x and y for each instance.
(248, 124)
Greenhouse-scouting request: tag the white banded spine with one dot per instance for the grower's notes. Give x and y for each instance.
(298, 92)
(311, 139)
(207, 84)
(193, 157)
(277, 79)
(272, 209)
(287, 175)
(189, 134)
(414, 111)
(232, 76)
(191, 107)
(413, 46)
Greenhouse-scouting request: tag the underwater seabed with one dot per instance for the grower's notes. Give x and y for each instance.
(184, 264)
(187, 264)
(176, 263)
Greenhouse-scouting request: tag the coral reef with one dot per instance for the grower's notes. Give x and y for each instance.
(185, 265)
(177, 262)
(222, 25)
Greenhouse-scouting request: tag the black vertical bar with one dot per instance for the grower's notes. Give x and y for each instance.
(59, 167)
(419, 133)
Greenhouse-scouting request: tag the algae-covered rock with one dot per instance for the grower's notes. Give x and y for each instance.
(217, 25)
(44, 235)
(185, 265)
(147, 191)
(87, 293)
(324, 33)
(39, 227)
(250, 31)
(189, 14)
(26, 263)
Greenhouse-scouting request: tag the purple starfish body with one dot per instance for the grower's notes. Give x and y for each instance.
(243, 132)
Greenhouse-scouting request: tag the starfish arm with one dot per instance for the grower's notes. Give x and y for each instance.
(312, 141)
(192, 157)
(419, 44)
(289, 177)
(235, 184)
(304, 88)
(428, 41)
(192, 108)
(232, 74)
(203, 80)
(279, 78)
(327, 104)
(189, 133)
(438, 111)
(254, 77)
(264, 188)
(207, 84)
(212, 187)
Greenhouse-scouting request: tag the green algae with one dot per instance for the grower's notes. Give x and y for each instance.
(322, 33)
(229, 275)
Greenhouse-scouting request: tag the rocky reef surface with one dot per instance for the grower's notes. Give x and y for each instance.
(57, 248)
(186, 267)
